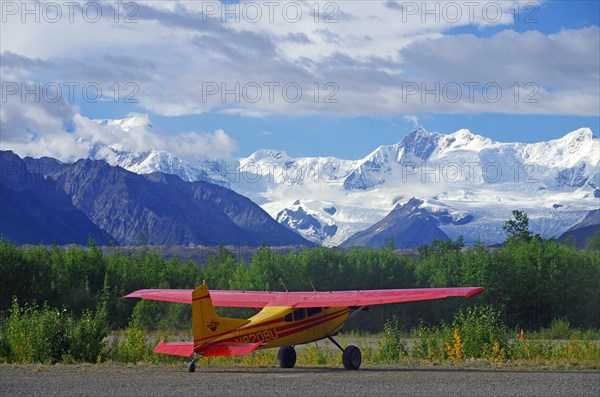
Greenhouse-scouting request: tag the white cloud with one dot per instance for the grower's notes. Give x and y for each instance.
(136, 133)
(27, 120)
(215, 145)
(46, 135)
(414, 120)
(561, 60)
(174, 54)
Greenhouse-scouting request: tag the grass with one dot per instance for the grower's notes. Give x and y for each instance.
(475, 337)
(560, 329)
(523, 354)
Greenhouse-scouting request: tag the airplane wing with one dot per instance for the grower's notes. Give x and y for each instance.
(167, 295)
(259, 299)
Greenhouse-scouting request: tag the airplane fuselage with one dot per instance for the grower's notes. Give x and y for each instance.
(277, 326)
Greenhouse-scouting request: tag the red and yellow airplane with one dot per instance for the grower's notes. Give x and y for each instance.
(286, 319)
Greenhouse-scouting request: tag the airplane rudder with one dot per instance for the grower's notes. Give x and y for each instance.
(207, 323)
(203, 312)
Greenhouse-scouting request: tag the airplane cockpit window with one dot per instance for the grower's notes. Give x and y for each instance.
(311, 311)
(298, 314)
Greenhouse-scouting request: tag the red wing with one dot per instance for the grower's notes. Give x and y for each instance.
(369, 297)
(168, 295)
(223, 298)
(335, 298)
(258, 299)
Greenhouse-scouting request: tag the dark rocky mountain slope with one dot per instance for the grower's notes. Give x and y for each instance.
(35, 209)
(159, 208)
(408, 225)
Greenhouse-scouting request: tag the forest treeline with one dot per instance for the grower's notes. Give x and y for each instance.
(529, 280)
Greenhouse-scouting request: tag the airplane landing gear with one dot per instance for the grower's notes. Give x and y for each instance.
(286, 357)
(191, 366)
(351, 356)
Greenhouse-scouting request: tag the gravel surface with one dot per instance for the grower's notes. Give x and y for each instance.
(155, 380)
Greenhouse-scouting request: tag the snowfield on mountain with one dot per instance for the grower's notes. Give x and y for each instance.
(468, 184)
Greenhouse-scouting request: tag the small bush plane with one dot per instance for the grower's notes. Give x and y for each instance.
(285, 319)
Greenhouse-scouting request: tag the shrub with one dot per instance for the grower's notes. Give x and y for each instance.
(86, 336)
(391, 346)
(36, 335)
(5, 350)
(574, 350)
(317, 355)
(50, 335)
(131, 346)
(455, 351)
(482, 332)
(559, 328)
(430, 342)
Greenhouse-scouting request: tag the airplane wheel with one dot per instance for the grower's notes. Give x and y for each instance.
(286, 357)
(351, 357)
(191, 366)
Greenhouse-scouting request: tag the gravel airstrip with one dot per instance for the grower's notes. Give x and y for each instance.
(168, 380)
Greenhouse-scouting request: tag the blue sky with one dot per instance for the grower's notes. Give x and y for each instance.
(547, 17)
(377, 58)
(355, 137)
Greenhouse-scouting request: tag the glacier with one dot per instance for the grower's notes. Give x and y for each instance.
(470, 183)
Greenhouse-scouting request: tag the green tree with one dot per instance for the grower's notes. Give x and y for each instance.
(389, 243)
(517, 227)
(593, 243)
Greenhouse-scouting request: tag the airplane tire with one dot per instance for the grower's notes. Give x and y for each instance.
(191, 366)
(286, 357)
(351, 357)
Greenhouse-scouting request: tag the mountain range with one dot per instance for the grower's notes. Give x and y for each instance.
(428, 185)
(46, 201)
(585, 229)
(469, 183)
(34, 209)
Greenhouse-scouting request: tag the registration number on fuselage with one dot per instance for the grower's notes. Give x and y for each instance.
(261, 336)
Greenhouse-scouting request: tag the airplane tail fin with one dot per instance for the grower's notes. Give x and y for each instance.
(207, 324)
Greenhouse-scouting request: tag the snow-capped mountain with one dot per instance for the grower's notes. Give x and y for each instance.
(296, 218)
(469, 183)
(463, 157)
(147, 162)
(136, 129)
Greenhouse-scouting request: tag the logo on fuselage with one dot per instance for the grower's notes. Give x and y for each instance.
(212, 325)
